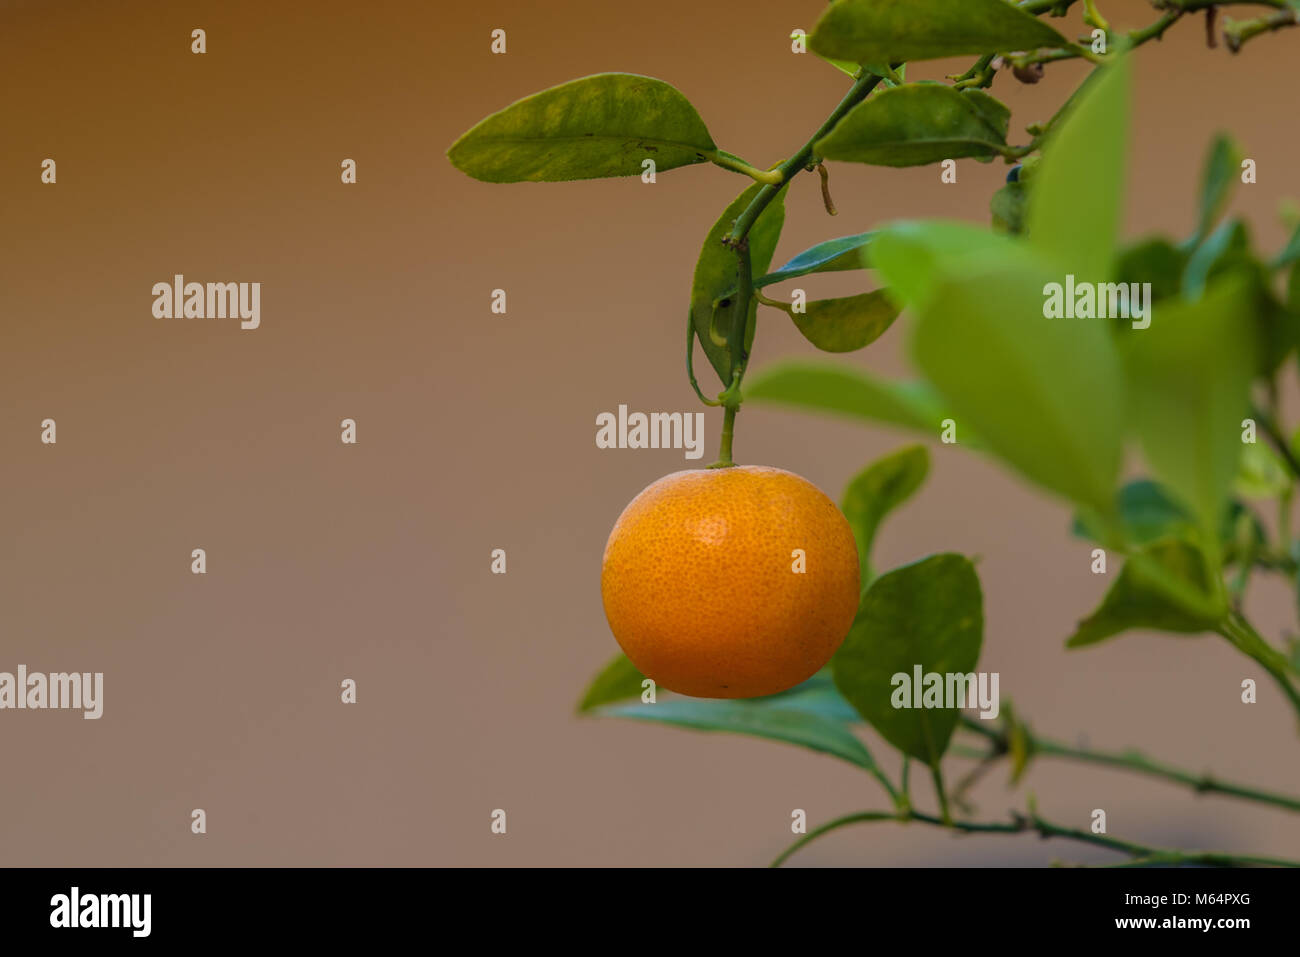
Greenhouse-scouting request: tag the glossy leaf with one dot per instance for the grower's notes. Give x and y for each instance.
(602, 125)
(913, 125)
(1189, 388)
(787, 718)
(617, 681)
(837, 389)
(833, 255)
(876, 491)
(1074, 207)
(716, 272)
(1140, 600)
(848, 323)
(930, 614)
(888, 31)
(1045, 394)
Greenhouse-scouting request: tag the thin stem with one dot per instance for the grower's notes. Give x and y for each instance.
(736, 164)
(1277, 440)
(738, 239)
(724, 447)
(942, 794)
(1128, 761)
(1246, 639)
(857, 93)
(1020, 824)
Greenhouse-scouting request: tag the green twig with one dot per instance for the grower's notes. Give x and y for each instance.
(1127, 761)
(1020, 824)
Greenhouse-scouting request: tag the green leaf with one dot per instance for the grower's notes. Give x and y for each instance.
(845, 391)
(1154, 260)
(1290, 253)
(1146, 514)
(780, 718)
(1046, 395)
(1189, 389)
(930, 614)
(914, 257)
(1139, 599)
(1008, 208)
(913, 125)
(887, 31)
(995, 113)
(1230, 242)
(1261, 473)
(843, 325)
(602, 125)
(716, 274)
(1074, 208)
(1222, 165)
(834, 255)
(617, 681)
(876, 491)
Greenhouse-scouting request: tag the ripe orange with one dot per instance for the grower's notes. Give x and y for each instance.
(701, 587)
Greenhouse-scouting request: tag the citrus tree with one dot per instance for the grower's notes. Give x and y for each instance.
(1043, 340)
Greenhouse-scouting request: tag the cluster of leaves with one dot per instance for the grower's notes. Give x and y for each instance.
(1059, 401)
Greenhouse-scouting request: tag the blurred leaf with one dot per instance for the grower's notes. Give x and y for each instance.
(834, 255)
(887, 31)
(831, 388)
(1261, 473)
(1222, 164)
(930, 614)
(1231, 239)
(913, 125)
(617, 681)
(1140, 600)
(602, 125)
(1146, 513)
(716, 274)
(1074, 208)
(876, 491)
(1290, 253)
(1189, 389)
(789, 718)
(1154, 260)
(843, 325)
(1046, 395)
(915, 256)
(1008, 208)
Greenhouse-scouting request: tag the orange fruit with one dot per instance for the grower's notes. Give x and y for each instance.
(701, 585)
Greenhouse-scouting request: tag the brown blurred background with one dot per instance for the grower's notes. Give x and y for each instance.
(476, 432)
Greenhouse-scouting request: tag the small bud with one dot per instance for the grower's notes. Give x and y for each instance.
(1028, 72)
